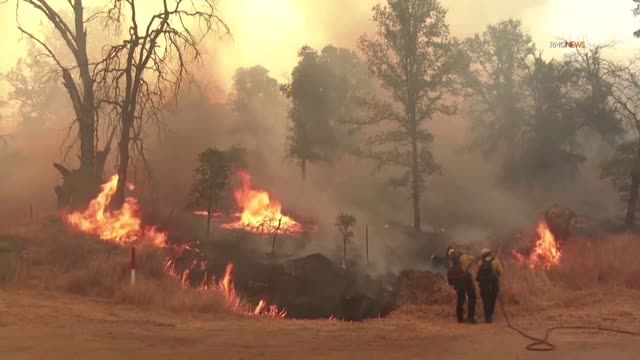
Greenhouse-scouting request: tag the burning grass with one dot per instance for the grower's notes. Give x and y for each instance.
(589, 271)
(56, 259)
(261, 213)
(587, 265)
(124, 228)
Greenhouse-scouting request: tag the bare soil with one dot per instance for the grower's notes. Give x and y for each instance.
(45, 325)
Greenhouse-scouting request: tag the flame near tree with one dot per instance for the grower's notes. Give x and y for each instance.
(124, 227)
(260, 212)
(546, 252)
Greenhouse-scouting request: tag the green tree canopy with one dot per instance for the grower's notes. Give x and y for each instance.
(326, 91)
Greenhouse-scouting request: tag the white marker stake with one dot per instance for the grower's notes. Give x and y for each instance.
(133, 265)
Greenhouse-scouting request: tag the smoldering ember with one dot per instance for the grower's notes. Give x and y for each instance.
(249, 179)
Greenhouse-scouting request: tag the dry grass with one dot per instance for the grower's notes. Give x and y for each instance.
(590, 271)
(587, 266)
(56, 258)
(423, 287)
(610, 262)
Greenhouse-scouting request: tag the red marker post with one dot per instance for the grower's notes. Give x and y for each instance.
(133, 265)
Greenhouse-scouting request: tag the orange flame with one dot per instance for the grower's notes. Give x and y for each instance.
(227, 288)
(260, 213)
(546, 252)
(123, 227)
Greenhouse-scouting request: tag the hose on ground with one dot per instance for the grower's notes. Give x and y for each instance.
(543, 344)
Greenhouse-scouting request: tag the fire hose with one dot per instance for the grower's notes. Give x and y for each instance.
(543, 344)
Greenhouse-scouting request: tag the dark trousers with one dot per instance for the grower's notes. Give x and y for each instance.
(466, 290)
(489, 293)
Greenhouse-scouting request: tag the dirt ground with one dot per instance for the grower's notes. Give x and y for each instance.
(39, 325)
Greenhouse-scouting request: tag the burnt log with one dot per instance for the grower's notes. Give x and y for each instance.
(78, 188)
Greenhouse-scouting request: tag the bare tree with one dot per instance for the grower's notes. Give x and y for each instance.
(79, 185)
(148, 68)
(344, 223)
(623, 169)
(595, 106)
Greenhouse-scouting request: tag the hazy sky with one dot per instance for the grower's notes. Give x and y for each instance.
(269, 32)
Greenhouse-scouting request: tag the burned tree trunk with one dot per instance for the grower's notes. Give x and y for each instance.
(80, 185)
(123, 163)
(78, 188)
(632, 202)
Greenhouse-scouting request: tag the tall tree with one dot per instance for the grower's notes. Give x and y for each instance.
(34, 89)
(594, 107)
(253, 91)
(549, 148)
(415, 59)
(350, 111)
(260, 111)
(623, 169)
(317, 94)
(148, 68)
(498, 64)
(78, 80)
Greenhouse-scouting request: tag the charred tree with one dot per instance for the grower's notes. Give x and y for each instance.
(147, 69)
(416, 60)
(79, 185)
(623, 169)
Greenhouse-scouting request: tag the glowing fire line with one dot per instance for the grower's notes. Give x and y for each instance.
(260, 212)
(124, 227)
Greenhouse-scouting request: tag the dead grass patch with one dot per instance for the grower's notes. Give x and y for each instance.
(59, 259)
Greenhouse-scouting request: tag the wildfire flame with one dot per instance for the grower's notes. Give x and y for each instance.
(260, 213)
(546, 252)
(226, 287)
(124, 227)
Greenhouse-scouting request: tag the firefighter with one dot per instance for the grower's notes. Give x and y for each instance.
(488, 278)
(459, 277)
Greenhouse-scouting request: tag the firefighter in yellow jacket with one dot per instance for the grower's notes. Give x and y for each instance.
(459, 277)
(488, 278)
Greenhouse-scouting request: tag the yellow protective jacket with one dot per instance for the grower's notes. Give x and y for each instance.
(496, 265)
(466, 262)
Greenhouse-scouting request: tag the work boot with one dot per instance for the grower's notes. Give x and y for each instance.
(472, 321)
(488, 321)
(460, 320)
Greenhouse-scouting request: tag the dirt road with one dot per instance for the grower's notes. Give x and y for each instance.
(52, 326)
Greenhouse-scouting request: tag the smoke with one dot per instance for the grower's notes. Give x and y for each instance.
(466, 200)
